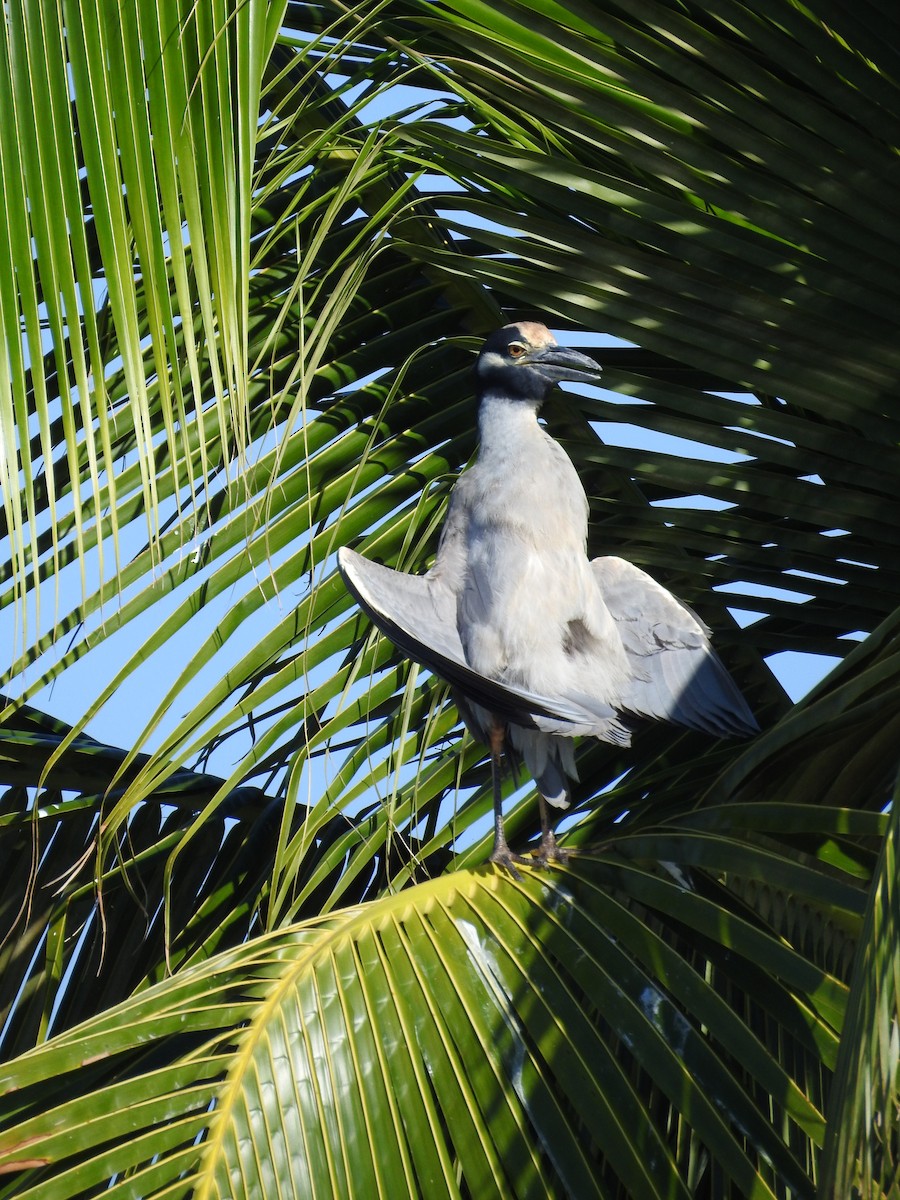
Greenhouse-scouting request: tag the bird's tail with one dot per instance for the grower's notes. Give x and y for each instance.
(550, 759)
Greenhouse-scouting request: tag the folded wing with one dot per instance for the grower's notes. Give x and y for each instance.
(675, 674)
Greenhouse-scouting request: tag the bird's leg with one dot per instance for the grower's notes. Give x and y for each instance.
(501, 853)
(549, 850)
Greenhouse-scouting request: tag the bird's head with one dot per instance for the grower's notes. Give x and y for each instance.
(524, 361)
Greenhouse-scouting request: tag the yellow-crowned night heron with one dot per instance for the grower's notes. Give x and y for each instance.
(541, 644)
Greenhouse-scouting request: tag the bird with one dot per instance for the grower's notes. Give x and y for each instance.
(540, 644)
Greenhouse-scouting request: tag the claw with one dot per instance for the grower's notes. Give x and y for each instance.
(550, 851)
(505, 858)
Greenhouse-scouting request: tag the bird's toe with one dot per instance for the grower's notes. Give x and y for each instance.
(549, 852)
(505, 858)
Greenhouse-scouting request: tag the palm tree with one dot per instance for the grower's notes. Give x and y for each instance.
(250, 251)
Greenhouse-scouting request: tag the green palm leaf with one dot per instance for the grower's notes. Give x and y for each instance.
(860, 1158)
(501, 1033)
(239, 313)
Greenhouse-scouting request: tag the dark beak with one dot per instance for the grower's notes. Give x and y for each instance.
(560, 363)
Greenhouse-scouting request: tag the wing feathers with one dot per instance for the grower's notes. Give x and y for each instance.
(418, 614)
(676, 675)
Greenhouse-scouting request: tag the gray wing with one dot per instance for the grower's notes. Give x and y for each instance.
(418, 614)
(676, 675)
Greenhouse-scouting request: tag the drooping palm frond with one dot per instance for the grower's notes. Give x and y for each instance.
(605, 1029)
(578, 982)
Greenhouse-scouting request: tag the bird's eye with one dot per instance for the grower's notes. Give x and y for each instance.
(516, 350)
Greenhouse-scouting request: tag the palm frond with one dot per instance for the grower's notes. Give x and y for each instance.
(239, 314)
(594, 987)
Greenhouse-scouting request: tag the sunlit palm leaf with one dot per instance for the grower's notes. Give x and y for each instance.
(356, 1049)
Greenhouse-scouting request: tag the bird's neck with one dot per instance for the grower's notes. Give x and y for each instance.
(504, 422)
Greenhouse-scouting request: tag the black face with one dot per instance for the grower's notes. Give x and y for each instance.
(524, 361)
